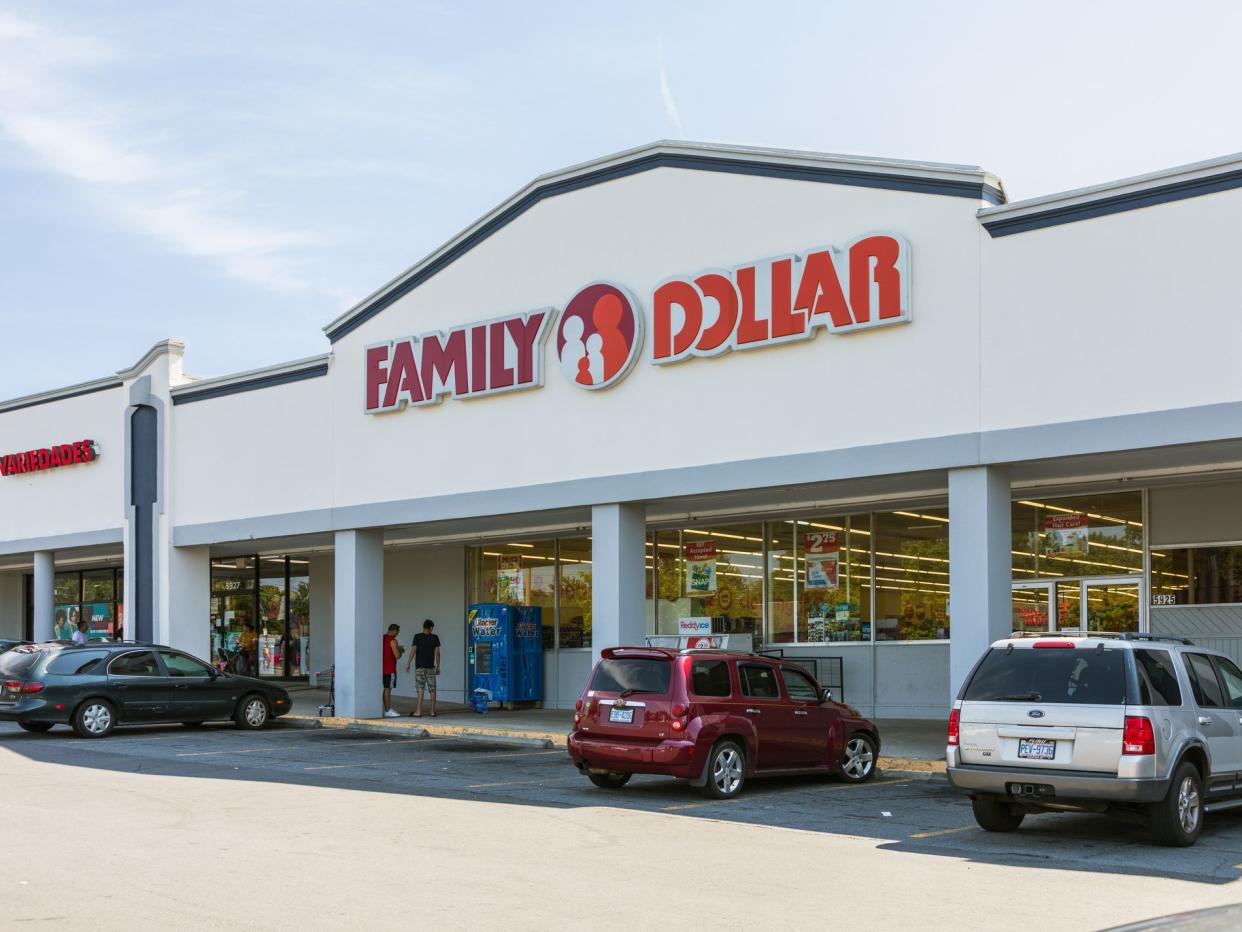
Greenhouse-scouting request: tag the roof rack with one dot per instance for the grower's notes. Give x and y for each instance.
(1067, 633)
(1144, 636)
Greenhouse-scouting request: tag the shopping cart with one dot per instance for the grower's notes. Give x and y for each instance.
(329, 707)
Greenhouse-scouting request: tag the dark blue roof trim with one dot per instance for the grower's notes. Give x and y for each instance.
(53, 400)
(974, 190)
(251, 385)
(1119, 203)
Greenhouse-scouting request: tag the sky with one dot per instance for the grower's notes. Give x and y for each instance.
(237, 174)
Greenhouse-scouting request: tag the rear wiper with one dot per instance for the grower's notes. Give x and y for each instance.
(630, 692)
(1025, 697)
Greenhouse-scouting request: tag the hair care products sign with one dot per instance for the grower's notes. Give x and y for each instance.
(701, 568)
(821, 549)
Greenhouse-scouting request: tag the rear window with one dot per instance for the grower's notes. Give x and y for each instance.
(19, 660)
(710, 678)
(1065, 675)
(1157, 678)
(619, 675)
(77, 662)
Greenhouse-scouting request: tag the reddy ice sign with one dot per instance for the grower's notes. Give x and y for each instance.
(785, 299)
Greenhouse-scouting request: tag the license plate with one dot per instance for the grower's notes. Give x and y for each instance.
(625, 716)
(1037, 748)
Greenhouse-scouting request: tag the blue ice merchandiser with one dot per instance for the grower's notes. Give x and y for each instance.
(505, 654)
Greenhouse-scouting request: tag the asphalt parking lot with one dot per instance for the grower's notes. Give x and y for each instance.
(903, 811)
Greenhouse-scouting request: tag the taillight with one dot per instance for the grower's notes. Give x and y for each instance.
(678, 724)
(13, 685)
(680, 709)
(954, 725)
(578, 705)
(34, 686)
(1138, 737)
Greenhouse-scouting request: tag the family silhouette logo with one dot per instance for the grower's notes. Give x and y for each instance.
(600, 335)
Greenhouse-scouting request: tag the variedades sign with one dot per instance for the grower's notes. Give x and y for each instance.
(767, 302)
(63, 454)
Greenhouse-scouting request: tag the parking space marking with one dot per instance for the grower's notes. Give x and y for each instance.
(330, 767)
(259, 750)
(944, 831)
(485, 786)
(826, 789)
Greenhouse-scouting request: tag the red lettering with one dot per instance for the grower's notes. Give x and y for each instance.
(376, 374)
(55, 458)
(403, 381)
(721, 290)
(21, 462)
(750, 329)
(478, 359)
(526, 334)
(665, 344)
(445, 357)
(66, 454)
(820, 292)
(88, 446)
(44, 458)
(500, 375)
(785, 322)
(883, 251)
(4, 465)
(77, 451)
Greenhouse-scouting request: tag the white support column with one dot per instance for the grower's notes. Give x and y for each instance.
(322, 617)
(618, 586)
(980, 565)
(359, 611)
(44, 593)
(187, 624)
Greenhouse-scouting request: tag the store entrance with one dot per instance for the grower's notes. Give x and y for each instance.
(260, 616)
(1090, 604)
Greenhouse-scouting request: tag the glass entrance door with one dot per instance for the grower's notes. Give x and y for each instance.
(1111, 604)
(1029, 604)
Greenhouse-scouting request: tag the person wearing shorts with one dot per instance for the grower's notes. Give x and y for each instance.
(392, 653)
(426, 659)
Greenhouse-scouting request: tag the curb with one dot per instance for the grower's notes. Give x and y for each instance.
(406, 727)
(520, 741)
(913, 764)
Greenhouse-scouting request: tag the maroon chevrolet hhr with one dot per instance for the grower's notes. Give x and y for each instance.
(714, 718)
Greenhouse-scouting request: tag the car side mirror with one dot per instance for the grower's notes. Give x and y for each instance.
(827, 695)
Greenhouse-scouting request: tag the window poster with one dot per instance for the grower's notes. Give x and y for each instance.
(509, 581)
(821, 549)
(700, 568)
(1066, 535)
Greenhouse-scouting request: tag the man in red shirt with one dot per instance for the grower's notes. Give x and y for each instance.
(392, 653)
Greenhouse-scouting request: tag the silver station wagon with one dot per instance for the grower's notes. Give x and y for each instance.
(1093, 722)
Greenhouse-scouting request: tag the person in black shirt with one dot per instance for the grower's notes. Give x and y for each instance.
(426, 659)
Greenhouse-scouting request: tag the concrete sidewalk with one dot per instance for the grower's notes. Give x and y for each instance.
(907, 744)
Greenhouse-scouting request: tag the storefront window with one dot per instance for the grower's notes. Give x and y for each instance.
(666, 559)
(721, 577)
(234, 636)
(575, 603)
(1196, 576)
(260, 615)
(783, 571)
(93, 596)
(834, 579)
(271, 626)
(299, 617)
(1086, 535)
(517, 574)
(912, 575)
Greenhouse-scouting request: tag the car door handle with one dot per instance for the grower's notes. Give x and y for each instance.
(1205, 719)
(753, 711)
(181, 686)
(800, 712)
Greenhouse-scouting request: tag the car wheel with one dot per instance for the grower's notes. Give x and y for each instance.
(95, 718)
(858, 764)
(192, 724)
(726, 771)
(1177, 820)
(37, 727)
(252, 712)
(994, 816)
(609, 781)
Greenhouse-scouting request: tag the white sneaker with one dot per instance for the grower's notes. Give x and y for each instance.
(392, 713)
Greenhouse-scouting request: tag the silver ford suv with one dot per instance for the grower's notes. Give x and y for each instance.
(1094, 722)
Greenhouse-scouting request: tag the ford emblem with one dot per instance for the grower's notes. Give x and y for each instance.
(1036, 713)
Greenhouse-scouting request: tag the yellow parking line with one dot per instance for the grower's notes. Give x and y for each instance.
(944, 831)
(330, 767)
(826, 789)
(484, 786)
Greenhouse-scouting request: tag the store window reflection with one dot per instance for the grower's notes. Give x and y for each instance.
(721, 577)
(516, 574)
(93, 596)
(260, 615)
(234, 638)
(575, 594)
(834, 579)
(1085, 535)
(912, 574)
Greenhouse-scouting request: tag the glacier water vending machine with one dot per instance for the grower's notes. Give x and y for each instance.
(505, 646)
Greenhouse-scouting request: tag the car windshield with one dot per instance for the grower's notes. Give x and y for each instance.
(1078, 676)
(632, 675)
(19, 660)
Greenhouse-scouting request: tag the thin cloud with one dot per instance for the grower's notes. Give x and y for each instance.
(46, 107)
(666, 93)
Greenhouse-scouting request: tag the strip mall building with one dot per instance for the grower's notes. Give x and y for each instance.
(858, 408)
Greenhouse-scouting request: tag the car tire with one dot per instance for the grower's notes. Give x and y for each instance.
(252, 713)
(726, 771)
(609, 781)
(94, 718)
(994, 816)
(861, 755)
(1177, 819)
(37, 728)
